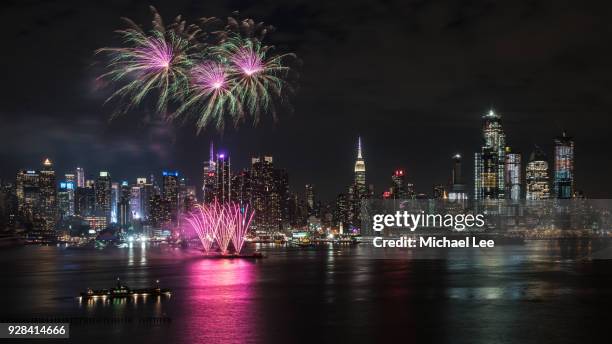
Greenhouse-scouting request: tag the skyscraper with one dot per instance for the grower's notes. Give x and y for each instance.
(27, 190)
(103, 195)
(563, 185)
(170, 194)
(136, 202)
(513, 175)
(85, 202)
(342, 212)
(80, 177)
(489, 162)
(223, 178)
(115, 196)
(361, 189)
(48, 195)
(310, 199)
(457, 187)
(124, 211)
(66, 199)
(266, 194)
(399, 186)
(147, 190)
(536, 176)
(209, 178)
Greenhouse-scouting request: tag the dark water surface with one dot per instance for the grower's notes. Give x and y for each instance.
(541, 292)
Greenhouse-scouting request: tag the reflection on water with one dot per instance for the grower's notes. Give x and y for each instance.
(346, 294)
(221, 300)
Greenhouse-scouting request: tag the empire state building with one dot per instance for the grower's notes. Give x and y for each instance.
(360, 173)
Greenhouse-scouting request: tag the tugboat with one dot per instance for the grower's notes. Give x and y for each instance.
(123, 291)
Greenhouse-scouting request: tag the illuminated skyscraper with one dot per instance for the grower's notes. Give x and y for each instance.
(399, 187)
(171, 194)
(115, 193)
(223, 178)
(66, 198)
(457, 187)
(27, 190)
(209, 178)
(103, 195)
(563, 185)
(124, 211)
(80, 177)
(85, 202)
(266, 194)
(136, 202)
(147, 190)
(489, 162)
(310, 199)
(48, 196)
(157, 210)
(361, 189)
(513, 175)
(342, 212)
(537, 176)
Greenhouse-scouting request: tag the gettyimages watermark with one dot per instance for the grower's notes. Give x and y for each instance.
(487, 226)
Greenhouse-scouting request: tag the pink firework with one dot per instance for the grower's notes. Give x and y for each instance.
(243, 222)
(221, 224)
(210, 77)
(247, 61)
(205, 224)
(154, 56)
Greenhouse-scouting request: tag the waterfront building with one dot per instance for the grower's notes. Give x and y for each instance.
(170, 195)
(489, 162)
(48, 196)
(399, 185)
(102, 188)
(536, 175)
(209, 178)
(124, 211)
(457, 188)
(563, 185)
(80, 177)
(513, 175)
(66, 199)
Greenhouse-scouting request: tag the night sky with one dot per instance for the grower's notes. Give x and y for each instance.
(411, 77)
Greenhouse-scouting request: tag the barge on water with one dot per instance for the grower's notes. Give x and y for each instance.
(123, 291)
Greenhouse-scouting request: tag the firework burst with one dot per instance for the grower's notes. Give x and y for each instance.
(221, 224)
(213, 75)
(157, 62)
(211, 96)
(258, 74)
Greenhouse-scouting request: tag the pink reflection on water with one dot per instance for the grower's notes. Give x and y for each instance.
(221, 301)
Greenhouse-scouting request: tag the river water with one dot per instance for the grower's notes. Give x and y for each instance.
(539, 292)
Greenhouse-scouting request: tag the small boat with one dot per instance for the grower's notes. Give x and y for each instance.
(123, 291)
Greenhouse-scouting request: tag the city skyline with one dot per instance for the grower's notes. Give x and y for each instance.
(521, 159)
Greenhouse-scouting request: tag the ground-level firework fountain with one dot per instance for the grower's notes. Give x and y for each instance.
(221, 224)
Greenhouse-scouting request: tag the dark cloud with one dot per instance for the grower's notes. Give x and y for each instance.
(411, 77)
